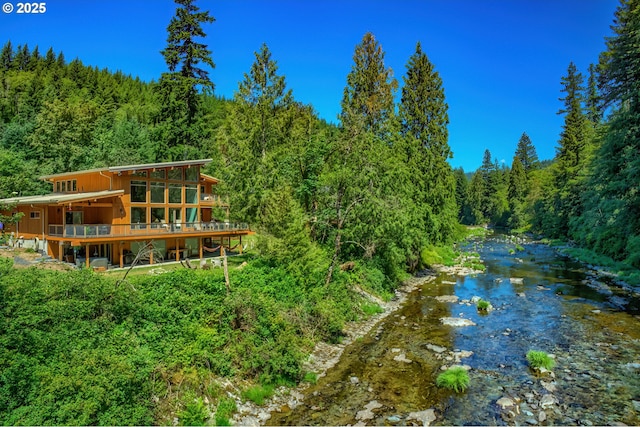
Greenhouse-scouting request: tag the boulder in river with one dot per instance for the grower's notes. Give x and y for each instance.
(427, 417)
(456, 321)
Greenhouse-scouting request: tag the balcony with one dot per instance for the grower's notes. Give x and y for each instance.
(98, 231)
(213, 199)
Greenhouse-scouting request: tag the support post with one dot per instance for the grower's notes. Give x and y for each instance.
(201, 241)
(87, 254)
(240, 244)
(121, 250)
(151, 253)
(60, 251)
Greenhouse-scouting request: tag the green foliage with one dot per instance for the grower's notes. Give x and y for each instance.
(195, 412)
(438, 255)
(310, 377)
(257, 394)
(224, 412)
(483, 305)
(371, 309)
(540, 359)
(455, 378)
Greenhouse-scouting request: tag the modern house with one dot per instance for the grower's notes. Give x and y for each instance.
(103, 216)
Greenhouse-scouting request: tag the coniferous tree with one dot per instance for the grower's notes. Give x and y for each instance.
(517, 193)
(360, 176)
(253, 136)
(526, 153)
(179, 88)
(611, 222)
(572, 154)
(593, 103)
(423, 114)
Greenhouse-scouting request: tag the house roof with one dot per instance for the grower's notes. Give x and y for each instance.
(61, 198)
(139, 167)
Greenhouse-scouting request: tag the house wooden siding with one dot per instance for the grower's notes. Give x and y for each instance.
(99, 212)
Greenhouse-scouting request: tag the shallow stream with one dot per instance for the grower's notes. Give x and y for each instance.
(541, 301)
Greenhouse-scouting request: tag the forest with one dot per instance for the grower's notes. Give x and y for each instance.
(364, 203)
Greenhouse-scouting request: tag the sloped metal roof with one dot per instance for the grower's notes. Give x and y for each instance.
(61, 198)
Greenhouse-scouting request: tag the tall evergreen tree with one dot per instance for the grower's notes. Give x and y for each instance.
(526, 153)
(572, 154)
(367, 101)
(593, 103)
(611, 223)
(253, 136)
(179, 88)
(423, 114)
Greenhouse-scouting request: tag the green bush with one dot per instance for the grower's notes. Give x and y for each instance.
(195, 413)
(540, 359)
(226, 408)
(483, 305)
(258, 394)
(310, 377)
(371, 309)
(455, 378)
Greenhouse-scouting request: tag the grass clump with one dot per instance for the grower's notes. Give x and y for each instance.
(194, 414)
(310, 377)
(540, 359)
(456, 379)
(258, 394)
(226, 408)
(483, 305)
(370, 309)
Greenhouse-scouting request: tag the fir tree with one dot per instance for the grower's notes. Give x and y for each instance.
(179, 88)
(423, 114)
(526, 153)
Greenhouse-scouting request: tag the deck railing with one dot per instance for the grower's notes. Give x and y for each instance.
(214, 199)
(87, 231)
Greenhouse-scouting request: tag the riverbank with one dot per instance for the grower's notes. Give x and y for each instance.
(325, 356)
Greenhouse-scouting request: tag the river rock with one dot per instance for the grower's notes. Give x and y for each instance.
(516, 280)
(427, 417)
(550, 386)
(354, 380)
(548, 400)
(542, 416)
(505, 402)
(455, 321)
(367, 412)
(402, 358)
(447, 298)
(436, 348)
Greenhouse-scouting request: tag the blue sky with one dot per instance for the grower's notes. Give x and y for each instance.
(500, 60)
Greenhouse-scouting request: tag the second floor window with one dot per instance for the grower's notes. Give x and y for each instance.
(138, 191)
(157, 192)
(175, 193)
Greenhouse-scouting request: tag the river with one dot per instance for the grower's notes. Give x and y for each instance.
(541, 301)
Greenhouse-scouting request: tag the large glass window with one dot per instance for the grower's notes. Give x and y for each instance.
(175, 174)
(192, 215)
(157, 192)
(175, 193)
(191, 174)
(158, 217)
(138, 191)
(138, 218)
(191, 194)
(157, 174)
(175, 215)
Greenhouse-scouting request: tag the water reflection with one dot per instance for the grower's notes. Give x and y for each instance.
(596, 345)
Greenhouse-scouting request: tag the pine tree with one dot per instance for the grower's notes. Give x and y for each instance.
(517, 193)
(526, 153)
(593, 103)
(423, 114)
(367, 102)
(253, 136)
(179, 88)
(611, 222)
(572, 154)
